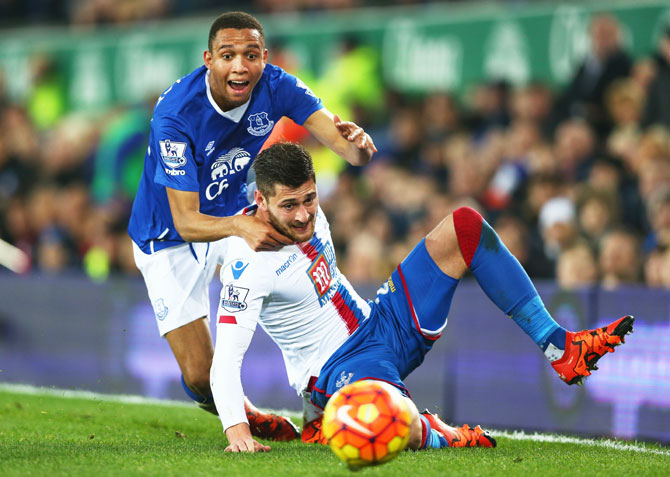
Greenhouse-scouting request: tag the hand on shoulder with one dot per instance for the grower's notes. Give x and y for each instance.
(260, 235)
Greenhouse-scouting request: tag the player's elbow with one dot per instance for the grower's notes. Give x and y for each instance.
(355, 158)
(184, 231)
(360, 160)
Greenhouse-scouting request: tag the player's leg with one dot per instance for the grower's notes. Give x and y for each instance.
(437, 434)
(465, 240)
(177, 280)
(368, 358)
(192, 347)
(311, 421)
(427, 431)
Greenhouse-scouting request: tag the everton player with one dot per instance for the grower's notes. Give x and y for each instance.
(330, 337)
(205, 130)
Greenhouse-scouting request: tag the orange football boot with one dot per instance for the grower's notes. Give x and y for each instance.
(311, 433)
(270, 426)
(460, 436)
(584, 348)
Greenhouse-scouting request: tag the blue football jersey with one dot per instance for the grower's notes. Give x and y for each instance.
(195, 146)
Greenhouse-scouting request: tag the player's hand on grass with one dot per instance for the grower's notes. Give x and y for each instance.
(260, 235)
(240, 439)
(355, 134)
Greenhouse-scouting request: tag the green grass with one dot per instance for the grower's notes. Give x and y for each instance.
(47, 434)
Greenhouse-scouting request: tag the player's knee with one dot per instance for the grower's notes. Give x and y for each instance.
(468, 227)
(415, 427)
(415, 434)
(466, 219)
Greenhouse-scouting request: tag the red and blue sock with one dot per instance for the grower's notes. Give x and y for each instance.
(503, 279)
(430, 438)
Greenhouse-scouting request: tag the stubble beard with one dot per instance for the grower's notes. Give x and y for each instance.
(288, 231)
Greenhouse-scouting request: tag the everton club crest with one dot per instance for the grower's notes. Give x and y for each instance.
(260, 124)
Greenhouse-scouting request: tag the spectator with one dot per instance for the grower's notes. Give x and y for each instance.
(608, 174)
(657, 110)
(558, 226)
(584, 97)
(598, 212)
(515, 235)
(440, 115)
(619, 259)
(519, 140)
(539, 189)
(624, 101)
(654, 174)
(655, 264)
(100, 12)
(534, 102)
(489, 108)
(575, 144)
(576, 268)
(658, 212)
(499, 151)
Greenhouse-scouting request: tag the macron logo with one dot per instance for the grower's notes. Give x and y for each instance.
(238, 268)
(286, 264)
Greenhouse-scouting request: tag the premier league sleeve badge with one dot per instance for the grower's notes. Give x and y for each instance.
(233, 298)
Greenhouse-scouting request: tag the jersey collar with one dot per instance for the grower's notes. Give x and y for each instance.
(234, 114)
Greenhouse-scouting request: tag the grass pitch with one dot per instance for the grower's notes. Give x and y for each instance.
(52, 433)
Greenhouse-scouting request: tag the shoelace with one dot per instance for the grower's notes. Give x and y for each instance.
(467, 436)
(599, 341)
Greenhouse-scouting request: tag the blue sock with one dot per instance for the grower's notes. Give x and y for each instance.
(199, 398)
(503, 279)
(534, 319)
(433, 440)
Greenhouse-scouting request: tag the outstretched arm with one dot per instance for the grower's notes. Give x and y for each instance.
(231, 344)
(345, 138)
(193, 226)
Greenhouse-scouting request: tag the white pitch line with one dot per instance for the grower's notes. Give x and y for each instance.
(66, 393)
(133, 399)
(607, 443)
(122, 398)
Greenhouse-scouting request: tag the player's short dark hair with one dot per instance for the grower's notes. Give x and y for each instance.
(237, 20)
(283, 163)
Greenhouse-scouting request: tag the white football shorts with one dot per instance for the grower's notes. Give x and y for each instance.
(177, 279)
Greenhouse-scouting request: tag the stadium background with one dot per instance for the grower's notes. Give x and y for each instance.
(475, 104)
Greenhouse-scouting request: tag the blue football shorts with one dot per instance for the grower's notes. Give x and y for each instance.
(407, 316)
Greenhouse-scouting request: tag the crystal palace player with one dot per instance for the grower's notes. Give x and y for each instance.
(330, 337)
(205, 130)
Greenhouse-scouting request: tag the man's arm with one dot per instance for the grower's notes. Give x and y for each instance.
(231, 345)
(345, 138)
(194, 226)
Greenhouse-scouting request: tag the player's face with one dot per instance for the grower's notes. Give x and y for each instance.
(293, 211)
(235, 65)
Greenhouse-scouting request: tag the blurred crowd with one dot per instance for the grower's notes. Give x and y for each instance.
(83, 13)
(576, 181)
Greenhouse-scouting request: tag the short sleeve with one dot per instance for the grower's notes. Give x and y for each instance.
(175, 164)
(295, 98)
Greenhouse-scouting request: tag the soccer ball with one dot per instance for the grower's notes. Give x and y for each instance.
(366, 423)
